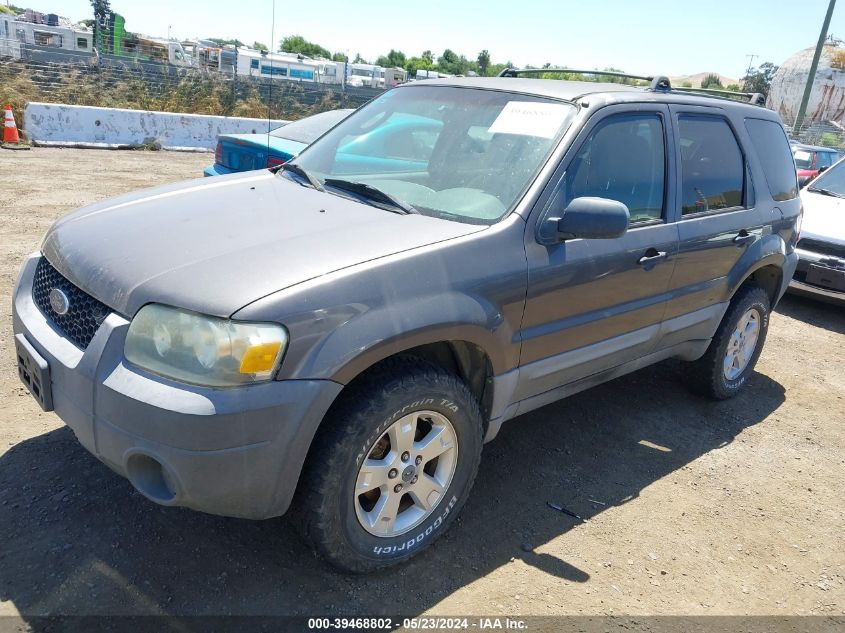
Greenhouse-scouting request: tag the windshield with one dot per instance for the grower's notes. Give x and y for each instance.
(456, 153)
(803, 159)
(832, 180)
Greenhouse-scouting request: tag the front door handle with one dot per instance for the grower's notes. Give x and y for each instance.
(651, 257)
(743, 238)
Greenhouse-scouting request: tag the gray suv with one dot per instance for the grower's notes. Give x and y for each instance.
(342, 335)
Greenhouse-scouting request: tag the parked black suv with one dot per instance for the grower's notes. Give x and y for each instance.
(353, 326)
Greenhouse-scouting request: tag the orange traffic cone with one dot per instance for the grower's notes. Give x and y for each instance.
(10, 130)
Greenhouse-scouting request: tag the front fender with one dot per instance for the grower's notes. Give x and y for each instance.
(377, 334)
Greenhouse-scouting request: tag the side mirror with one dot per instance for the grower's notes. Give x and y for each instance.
(593, 218)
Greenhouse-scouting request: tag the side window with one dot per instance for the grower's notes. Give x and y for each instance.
(712, 165)
(772, 147)
(624, 159)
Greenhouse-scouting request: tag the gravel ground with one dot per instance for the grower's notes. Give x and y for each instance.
(691, 507)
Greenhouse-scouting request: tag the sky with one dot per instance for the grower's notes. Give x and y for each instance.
(639, 36)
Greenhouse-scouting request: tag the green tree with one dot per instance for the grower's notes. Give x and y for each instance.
(298, 44)
(686, 84)
(340, 57)
(759, 79)
(494, 69)
(392, 59)
(452, 63)
(101, 8)
(732, 87)
(220, 41)
(359, 60)
(447, 60)
(260, 47)
(711, 80)
(413, 64)
(483, 62)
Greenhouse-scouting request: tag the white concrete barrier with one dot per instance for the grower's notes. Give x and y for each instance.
(85, 126)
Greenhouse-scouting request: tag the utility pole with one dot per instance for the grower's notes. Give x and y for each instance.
(802, 109)
(750, 63)
(748, 70)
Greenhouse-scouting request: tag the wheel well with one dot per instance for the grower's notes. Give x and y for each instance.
(769, 278)
(464, 359)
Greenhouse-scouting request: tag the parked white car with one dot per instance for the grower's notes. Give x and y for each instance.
(821, 248)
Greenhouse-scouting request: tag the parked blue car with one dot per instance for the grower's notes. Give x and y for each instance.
(245, 152)
(402, 144)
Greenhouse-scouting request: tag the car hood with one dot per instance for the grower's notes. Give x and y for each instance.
(214, 247)
(824, 217)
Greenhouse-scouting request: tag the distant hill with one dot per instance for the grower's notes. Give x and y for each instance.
(697, 78)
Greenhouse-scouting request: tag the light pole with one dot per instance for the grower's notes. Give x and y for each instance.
(802, 109)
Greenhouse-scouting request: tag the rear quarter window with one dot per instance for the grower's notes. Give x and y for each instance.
(773, 150)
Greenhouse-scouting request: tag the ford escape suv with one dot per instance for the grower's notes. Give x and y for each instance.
(344, 333)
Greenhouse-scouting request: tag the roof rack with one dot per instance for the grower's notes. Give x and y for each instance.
(754, 98)
(655, 83)
(658, 83)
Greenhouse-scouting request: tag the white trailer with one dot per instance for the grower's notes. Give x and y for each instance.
(15, 34)
(254, 63)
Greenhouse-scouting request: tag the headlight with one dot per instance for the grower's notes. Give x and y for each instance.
(204, 350)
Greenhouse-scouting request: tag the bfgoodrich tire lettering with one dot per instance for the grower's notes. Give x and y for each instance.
(719, 373)
(369, 408)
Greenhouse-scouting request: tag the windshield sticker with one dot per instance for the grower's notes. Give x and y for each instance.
(529, 118)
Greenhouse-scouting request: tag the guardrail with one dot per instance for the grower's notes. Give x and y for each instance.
(84, 126)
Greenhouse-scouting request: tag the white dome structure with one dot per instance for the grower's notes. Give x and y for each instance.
(827, 99)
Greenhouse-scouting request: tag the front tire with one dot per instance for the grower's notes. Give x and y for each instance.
(391, 466)
(729, 360)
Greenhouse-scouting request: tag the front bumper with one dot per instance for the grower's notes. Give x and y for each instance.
(235, 452)
(798, 283)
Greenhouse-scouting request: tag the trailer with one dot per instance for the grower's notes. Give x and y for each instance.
(254, 63)
(18, 37)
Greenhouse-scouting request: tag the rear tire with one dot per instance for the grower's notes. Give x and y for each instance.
(729, 360)
(391, 466)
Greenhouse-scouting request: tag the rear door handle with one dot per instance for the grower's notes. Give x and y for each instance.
(651, 257)
(744, 237)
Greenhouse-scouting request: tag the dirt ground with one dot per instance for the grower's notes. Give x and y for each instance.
(692, 507)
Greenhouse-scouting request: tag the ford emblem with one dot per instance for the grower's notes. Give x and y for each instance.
(59, 302)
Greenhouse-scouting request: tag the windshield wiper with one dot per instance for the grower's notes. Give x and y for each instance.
(825, 192)
(372, 193)
(296, 169)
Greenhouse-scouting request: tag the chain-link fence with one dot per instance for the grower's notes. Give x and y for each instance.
(65, 77)
(824, 133)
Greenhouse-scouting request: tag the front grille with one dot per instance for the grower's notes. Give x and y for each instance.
(822, 248)
(84, 315)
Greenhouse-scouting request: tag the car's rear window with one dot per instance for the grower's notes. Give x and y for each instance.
(310, 128)
(803, 158)
(772, 148)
